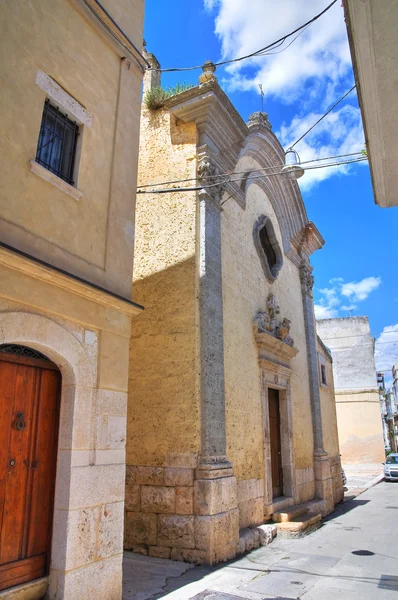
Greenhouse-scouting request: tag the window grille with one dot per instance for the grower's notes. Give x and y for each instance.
(56, 147)
(22, 351)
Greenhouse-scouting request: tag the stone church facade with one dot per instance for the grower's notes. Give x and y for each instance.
(231, 413)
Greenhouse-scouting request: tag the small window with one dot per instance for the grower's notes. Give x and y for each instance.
(323, 375)
(56, 148)
(267, 247)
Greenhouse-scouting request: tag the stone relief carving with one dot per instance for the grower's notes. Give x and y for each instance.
(267, 322)
(207, 175)
(306, 278)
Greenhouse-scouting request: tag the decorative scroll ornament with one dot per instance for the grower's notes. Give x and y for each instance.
(306, 278)
(267, 321)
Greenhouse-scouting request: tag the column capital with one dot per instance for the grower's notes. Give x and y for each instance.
(306, 277)
(209, 174)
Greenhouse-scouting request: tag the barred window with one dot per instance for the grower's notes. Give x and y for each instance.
(56, 148)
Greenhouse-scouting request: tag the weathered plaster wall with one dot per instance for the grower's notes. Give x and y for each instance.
(356, 395)
(245, 292)
(164, 399)
(91, 237)
(360, 427)
(328, 407)
(329, 421)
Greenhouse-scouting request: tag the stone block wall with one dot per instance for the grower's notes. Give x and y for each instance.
(335, 469)
(159, 517)
(170, 514)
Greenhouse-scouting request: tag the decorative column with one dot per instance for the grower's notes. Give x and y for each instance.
(216, 512)
(322, 472)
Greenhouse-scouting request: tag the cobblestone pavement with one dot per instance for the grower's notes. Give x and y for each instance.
(353, 556)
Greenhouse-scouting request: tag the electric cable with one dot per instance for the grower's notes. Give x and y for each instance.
(212, 185)
(244, 172)
(323, 116)
(260, 52)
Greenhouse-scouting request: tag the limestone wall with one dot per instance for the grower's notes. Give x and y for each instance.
(163, 433)
(164, 400)
(245, 292)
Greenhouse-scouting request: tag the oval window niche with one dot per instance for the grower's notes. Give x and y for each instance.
(267, 247)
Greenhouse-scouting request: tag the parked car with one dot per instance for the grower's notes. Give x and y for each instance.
(391, 468)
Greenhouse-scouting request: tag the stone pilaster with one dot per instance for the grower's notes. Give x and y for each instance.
(322, 474)
(215, 489)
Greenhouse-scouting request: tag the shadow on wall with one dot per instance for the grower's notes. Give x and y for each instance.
(163, 400)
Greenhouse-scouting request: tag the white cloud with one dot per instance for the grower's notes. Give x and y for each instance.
(338, 133)
(329, 304)
(321, 50)
(210, 4)
(349, 307)
(360, 290)
(386, 353)
(324, 312)
(313, 72)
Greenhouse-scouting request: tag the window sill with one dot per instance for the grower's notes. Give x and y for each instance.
(57, 182)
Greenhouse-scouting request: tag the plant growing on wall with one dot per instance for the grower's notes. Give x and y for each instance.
(156, 97)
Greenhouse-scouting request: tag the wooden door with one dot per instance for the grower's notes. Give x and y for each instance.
(276, 449)
(29, 419)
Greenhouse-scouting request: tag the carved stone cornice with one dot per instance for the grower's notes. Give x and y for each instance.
(274, 350)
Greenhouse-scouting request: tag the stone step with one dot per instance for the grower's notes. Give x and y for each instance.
(299, 526)
(254, 537)
(290, 513)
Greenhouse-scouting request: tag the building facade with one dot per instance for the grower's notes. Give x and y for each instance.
(371, 27)
(70, 109)
(228, 421)
(357, 395)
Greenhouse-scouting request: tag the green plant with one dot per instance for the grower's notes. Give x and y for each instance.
(179, 88)
(155, 98)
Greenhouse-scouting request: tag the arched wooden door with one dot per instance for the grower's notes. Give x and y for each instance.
(29, 420)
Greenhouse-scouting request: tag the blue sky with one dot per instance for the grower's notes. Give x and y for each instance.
(354, 272)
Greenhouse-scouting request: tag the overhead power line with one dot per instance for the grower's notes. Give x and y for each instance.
(223, 181)
(323, 116)
(229, 174)
(260, 52)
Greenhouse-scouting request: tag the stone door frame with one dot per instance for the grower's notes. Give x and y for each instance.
(276, 376)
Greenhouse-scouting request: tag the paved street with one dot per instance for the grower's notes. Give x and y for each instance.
(353, 556)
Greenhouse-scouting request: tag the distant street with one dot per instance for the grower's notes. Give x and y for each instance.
(354, 556)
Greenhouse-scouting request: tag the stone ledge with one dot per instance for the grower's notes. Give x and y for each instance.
(57, 182)
(33, 590)
(299, 524)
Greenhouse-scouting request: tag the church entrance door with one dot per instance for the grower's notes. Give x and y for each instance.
(276, 447)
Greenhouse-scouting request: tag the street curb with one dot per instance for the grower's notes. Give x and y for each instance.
(353, 493)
